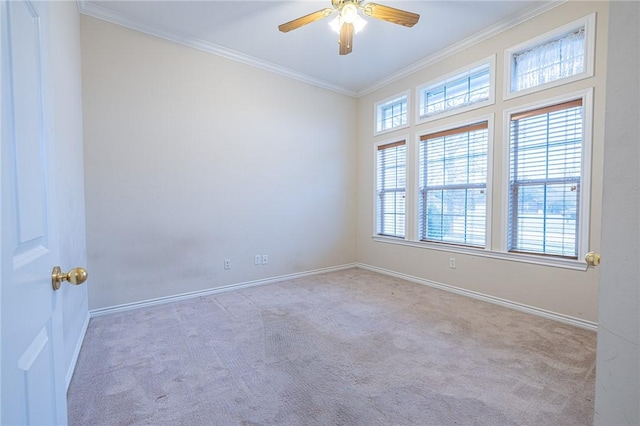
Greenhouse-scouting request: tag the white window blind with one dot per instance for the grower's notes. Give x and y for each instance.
(545, 179)
(453, 185)
(553, 60)
(464, 89)
(391, 183)
(391, 114)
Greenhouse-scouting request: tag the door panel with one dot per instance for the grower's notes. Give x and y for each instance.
(25, 67)
(35, 363)
(33, 390)
(28, 129)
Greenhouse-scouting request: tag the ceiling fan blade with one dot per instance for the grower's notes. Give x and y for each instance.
(390, 14)
(307, 19)
(346, 38)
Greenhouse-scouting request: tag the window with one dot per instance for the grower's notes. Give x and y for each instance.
(437, 192)
(392, 114)
(550, 61)
(554, 58)
(463, 90)
(545, 162)
(453, 185)
(391, 183)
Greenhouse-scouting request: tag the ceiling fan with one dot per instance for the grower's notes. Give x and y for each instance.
(349, 21)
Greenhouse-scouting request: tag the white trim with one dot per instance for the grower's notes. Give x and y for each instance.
(506, 175)
(589, 24)
(415, 206)
(584, 245)
(462, 45)
(452, 289)
(566, 319)
(247, 284)
(76, 351)
(488, 241)
(377, 109)
(442, 80)
(585, 174)
(91, 9)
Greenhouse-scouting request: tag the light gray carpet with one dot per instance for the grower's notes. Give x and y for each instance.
(344, 348)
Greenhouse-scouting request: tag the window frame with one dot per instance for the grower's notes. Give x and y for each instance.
(583, 236)
(378, 107)
(442, 80)
(488, 119)
(589, 24)
(497, 228)
(377, 147)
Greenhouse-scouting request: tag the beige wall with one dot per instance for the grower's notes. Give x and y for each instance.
(563, 291)
(191, 159)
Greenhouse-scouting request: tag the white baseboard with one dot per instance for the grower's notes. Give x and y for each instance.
(190, 295)
(76, 351)
(491, 299)
(486, 298)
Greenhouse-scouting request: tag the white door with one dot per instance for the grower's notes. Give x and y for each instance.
(32, 375)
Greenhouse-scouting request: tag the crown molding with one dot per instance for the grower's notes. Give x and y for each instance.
(95, 11)
(99, 12)
(485, 34)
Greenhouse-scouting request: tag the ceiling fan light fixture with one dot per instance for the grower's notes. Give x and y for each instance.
(335, 24)
(358, 24)
(350, 16)
(349, 13)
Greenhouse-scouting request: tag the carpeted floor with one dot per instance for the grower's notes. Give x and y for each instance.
(351, 347)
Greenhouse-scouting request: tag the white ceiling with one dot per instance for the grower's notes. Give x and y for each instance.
(247, 31)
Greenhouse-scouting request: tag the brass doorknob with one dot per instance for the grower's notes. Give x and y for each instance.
(76, 276)
(592, 258)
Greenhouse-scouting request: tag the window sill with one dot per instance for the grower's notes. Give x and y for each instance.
(554, 262)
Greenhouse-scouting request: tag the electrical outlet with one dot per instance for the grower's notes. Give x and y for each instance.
(227, 264)
(256, 259)
(452, 262)
(265, 259)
